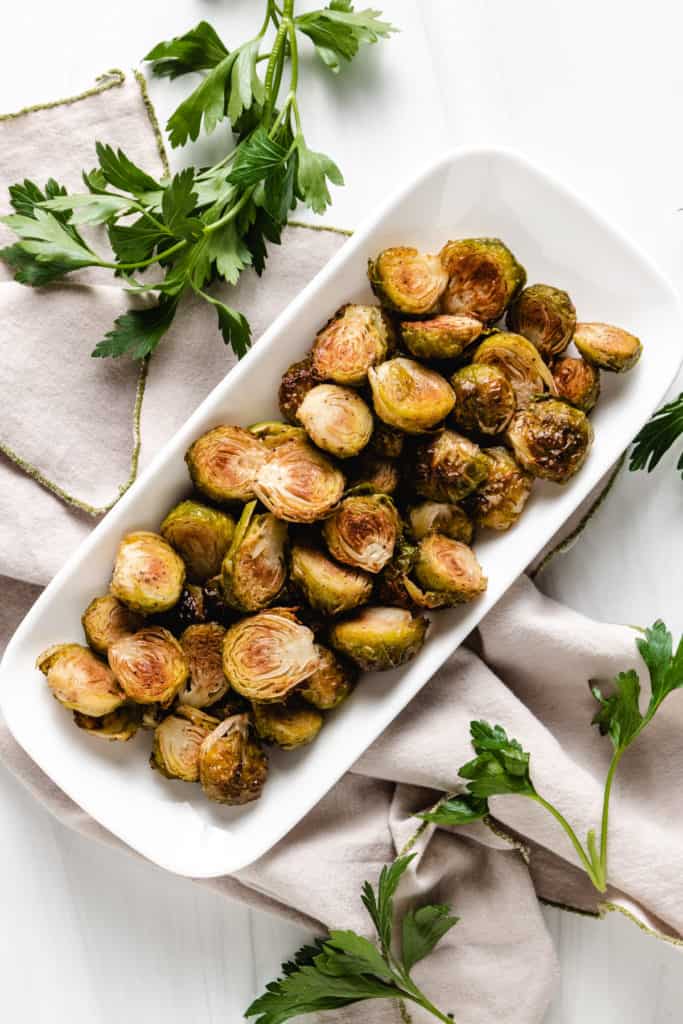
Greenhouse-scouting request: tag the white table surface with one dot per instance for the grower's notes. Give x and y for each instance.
(593, 92)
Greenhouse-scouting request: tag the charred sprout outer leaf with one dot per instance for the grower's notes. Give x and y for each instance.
(378, 638)
(442, 337)
(327, 586)
(484, 399)
(267, 655)
(177, 741)
(440, 517)
(521, 363)
(254, 568)
(289, 725)
(551, 439)
(372, 474)
(484, 277)
(576, 382)
(448, 467)
(150, 665)
(233, 767)
(356, 338)
(546, 316)
(332, 681)
(363, 531)
(118, 726)
(201, 536)
(410, 396)
(203, 647)
(607, 347)
(336, 419)
(386, 442)
(106, 620)
(298, 483)
(80, 680)
(408, 281)
(275, 432)
(189, 611)
(148, 574)
(224, 462)
(297, 381)
(500, 500)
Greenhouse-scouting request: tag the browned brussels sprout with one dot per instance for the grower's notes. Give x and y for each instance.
(372, 474)
(80, 680)
(254, 569)
(363, 531)
(118, 726)
(332, 681)
(298, 483)
(386, 442)
(551, 439)
(297, 381)
(203, 647)
(410, 396)
(275, 432)
(448, 467)
(289, 725)
(233, 767)
(446, 572)
(326, 585)
(224, 463)
(484, 277)
(607, 347)
(336, 419)
(443, 337)
(407, 281)
(106, 620)
(268, 654)
(440, 517)
(356, 338)
(189, 611)
(521, 363)
(148, 574)
(500, 500)
(201, 536)
(484, 399)
(378, 638)
(150, 665)
(546, 316)
(177, 742)
(577, 382)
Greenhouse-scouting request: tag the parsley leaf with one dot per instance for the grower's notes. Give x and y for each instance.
(421, 930)
(314, 170)
(338, 31)
(122, 173)
(29, 270)
(206, 105)
(178, 203)
(501, 765)
(380, 904)
(658, 435)
(197, 50)
(256, 158)
(89, 209)
(619, 715)
(138, 332)
(461, 809)
(135, 243)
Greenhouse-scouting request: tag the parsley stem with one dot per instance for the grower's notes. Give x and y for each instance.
(145, 263)
(231, 214)
(430, 1008)
(616, 758)
(597, 882)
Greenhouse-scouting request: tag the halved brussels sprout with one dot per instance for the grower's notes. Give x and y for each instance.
(217, 608)
(443, 337)
(386, 442)
(440, 517)
(407, 280)
(268, 654)
(118, 726)
(298, 483)
(546, 316)
(106, 620)
(551, 439)
(521, 363)
(484, 399)
(326, 585)
(484, 277)
(297, 381)
(177, 741)
(231, 704)
(203, 647)
(189, 611)
(233, 767)
(378, 638)
(289, 725)
(447, 573)
(201, 536)
(224, 463)
(275, 432)
(500, 500)
(607, 347)
(331, 683)
(363, 531)
(448, 467)
(150, 665)
(148, 574)
(356, 338)
(577, 382)
(254, 569)
(371, 474)
(336, 419)
(80, 680)
(410, 396)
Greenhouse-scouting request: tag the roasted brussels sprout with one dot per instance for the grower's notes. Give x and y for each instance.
(500, 500)
(150, 665)
(217, 608)
(289, 725)
(297, 381)
(447, 572)
(336, 419)
(363, 531)
(408, 281)
(577, 382)
(448, 467)
(80, 680)
(106, 620)
(607, 347)
(546, 316)
(386, 442)
(189, 611)
(233, 767)
(224, 463)
(440, 517)
(378, 638)
(356, 338)
(443, 337)
(332, 681)
(200, 535)
(484, 277)
(177, 741)
(203, 647)
(551, 439)
(148, 574)
(254, 569)
(268, 654)
(326, 585)
(118, 726)
(372, 474)
(152, 716)
(275, 432)
(410, 396)
(521, 363)
(298, 483)
(484, 399)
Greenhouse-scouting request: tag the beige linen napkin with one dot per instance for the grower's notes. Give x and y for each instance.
(537, 656)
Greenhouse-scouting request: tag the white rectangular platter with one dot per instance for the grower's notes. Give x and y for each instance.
(466, 193)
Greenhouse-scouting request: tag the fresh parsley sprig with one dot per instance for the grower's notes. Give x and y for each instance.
(203, 225)
(502, 766)
(345, 968)
(660, 432)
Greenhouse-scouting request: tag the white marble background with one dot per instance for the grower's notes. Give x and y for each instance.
(591, 91)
